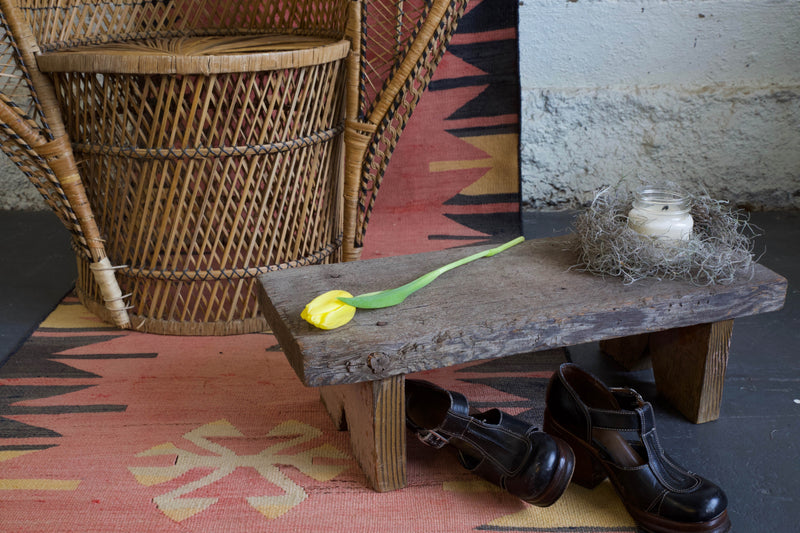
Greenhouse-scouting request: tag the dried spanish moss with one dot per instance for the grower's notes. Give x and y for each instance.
(719, 250)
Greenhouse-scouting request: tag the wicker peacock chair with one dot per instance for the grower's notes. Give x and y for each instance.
(191, 145)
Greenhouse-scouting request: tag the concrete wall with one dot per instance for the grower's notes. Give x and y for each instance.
(16, 192)
(701, 92)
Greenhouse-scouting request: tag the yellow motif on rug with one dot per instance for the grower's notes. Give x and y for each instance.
(578, 507)
(30, 483)
(502, 175)
(225, 461)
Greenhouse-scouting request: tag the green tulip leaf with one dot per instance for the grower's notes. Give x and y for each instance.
(390, 297)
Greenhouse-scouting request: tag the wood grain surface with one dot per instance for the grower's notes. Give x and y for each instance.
(527, 298)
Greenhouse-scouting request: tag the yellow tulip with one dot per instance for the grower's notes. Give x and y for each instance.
(336, 308)
(327, 312)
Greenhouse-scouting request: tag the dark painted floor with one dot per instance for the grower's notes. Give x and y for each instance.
(752, 451)
(37, 269)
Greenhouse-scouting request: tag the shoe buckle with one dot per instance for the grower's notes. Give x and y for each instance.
(432, 439)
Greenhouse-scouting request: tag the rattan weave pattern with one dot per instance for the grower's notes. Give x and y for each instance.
(58, 25)
(234, 210)
(398, 45)
(206, 55)
(202, 138)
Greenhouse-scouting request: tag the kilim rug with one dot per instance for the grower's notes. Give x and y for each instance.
(104, 430)
(110, 431)
(454, 176)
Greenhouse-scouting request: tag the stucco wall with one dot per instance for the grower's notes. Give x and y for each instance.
(702, 92)
(16, 192)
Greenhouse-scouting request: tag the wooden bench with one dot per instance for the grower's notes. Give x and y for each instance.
(522, 300)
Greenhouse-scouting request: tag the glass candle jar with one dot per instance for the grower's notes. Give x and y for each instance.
(661, 213)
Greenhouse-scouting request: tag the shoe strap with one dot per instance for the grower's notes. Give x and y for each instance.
(635, 414)
(432, 438)
(638, 416)
(505, 444)
(435, 438)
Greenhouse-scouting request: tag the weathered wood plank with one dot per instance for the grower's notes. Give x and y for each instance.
(689, 367)
(631, 352)
(374, 415)
(522, 300)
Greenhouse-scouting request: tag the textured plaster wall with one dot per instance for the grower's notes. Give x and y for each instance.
(16, 192)
(702, 92)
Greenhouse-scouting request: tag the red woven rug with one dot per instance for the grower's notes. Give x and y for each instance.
(110, 431)
(454, 176)
(107, 431)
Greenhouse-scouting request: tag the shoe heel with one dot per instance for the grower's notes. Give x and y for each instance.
(589, 472)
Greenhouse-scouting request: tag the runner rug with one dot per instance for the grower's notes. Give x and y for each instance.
(110, 431)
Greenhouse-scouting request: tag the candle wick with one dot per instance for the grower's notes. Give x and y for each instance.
(665, 208)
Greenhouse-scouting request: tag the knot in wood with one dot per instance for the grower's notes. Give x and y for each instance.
(378, 362)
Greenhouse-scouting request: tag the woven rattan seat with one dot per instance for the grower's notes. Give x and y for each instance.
(220, 163)
(191, 145)
(213, 54)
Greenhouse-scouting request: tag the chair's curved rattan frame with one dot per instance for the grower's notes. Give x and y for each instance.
(37, 143)
(379, 106)
(384, 84)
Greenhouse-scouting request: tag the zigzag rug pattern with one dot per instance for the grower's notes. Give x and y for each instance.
(122, 431)
(454, 176)
(103, 430)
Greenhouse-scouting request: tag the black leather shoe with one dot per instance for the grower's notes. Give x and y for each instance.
(494, 445)
(613, 434)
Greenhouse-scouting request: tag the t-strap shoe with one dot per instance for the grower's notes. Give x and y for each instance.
(502, 449)
(613, 434)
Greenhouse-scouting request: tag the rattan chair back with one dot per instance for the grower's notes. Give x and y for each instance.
(397, 46)
(207, 137)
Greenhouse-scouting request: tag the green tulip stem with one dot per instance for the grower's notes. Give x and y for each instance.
(390, 297)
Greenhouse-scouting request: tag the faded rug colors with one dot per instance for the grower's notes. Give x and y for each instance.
(454, 176)
(107, 431)
(110, 431)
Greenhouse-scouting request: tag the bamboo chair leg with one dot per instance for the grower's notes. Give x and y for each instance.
(59, 158)
(355, 139)
(355, 146)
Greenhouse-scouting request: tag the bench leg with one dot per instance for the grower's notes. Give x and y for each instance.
(333, 399)
(689, 367)
(632, 352)
(374, 413)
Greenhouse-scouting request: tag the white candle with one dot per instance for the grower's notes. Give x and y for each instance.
(661, 213)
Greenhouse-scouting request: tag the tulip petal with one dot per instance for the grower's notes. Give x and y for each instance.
(326, 311)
